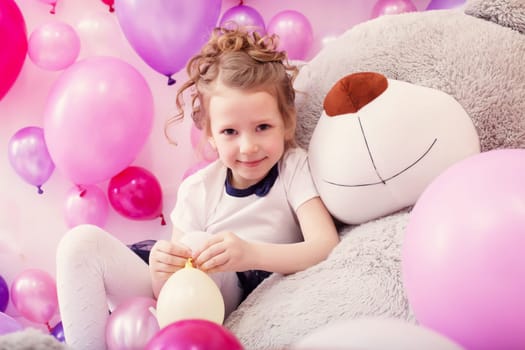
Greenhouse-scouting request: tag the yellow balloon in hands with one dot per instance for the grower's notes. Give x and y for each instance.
(189, 294)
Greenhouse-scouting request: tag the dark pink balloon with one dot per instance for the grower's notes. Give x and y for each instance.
(295, 33)
(244, 16)
(13, 44)
(392, 7)
(194, 334)
(135, 193)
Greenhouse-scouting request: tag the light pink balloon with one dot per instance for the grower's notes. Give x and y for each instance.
(97, 118)
(131, 325)
(195, 167)
(86, 205)
(392, 7)
(54, 46)
(295, 33)
(199, 143)
(34, 295)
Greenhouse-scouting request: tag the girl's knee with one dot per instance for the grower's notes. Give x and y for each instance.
(79, 240)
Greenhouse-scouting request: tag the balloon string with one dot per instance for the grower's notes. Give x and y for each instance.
(171, 81)
(40, 190)
(49, 327)
(162, 220)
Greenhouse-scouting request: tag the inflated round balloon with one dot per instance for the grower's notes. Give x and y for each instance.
(131, 325)
(392, 7)
(4, 294)
(244, 16)
(8, 324)
(58, 332)
(13, 44)
(444, 4)
(462, 257)
(86, 205)
(194, 334)
(294, 31)
(189, 294)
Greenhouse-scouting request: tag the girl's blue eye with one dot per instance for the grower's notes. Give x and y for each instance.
(263, 127)
(229, 132)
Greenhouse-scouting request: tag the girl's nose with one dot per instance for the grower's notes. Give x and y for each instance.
(248, 145)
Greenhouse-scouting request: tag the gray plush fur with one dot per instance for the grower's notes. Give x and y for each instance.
(477, 57)
(31, 339)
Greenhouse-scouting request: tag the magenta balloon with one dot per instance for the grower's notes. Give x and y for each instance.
(98, 116)
(166, 33)
(131, 325)
(8, 324)
(54, 45)
(444, 4)
(13, 44)
(86, 205)
(194, 335)
(29, 156)
(392, 7)
(295, 33)
(34, 295)
(462, 257)
(244, 16)
(135, 193)
(4, 294)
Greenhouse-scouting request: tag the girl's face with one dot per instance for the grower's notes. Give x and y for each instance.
(247, 130)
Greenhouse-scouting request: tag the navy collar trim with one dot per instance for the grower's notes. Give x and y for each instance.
(260, 189)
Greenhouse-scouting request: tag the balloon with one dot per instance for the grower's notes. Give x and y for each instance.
(58, 332)
(166, 33)
(135, 193)
(8, 324)
(13, 44)
(97, 118)
(189, 293)
(131, 325)
(4, 294)
(201, 145)
(194, 168)
(194, 334)
(29, 156)
(462, 256)
(86, 205)
(444, 4)
(295, 33)
(34, 295)
(392, 7)
(244, 16)
(54, 46)
(110, 4)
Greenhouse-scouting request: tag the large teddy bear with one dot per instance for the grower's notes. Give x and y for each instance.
(475, 55)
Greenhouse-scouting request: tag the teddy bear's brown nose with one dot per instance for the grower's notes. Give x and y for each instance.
(353, 92)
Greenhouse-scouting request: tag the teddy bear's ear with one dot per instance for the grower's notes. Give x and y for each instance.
(353, 92)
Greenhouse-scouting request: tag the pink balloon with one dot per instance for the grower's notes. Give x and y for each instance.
(13, 44)
(197, 334)
(86, 205)
(462, 258)
(135, 193)
(54, 46)
(201, 145)
(295, 33)
(29, 156)
(195, 167)
(98, 116)
(34, 295)
(166, 33)
(131, 325)
(392, 7)
(244, 16)
(8, 324)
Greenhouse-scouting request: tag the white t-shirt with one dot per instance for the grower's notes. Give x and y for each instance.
(204, 205)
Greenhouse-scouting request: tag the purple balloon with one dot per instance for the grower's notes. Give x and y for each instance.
(194, 334)
(166, 33)
(8, 324)
(58, 332)
(29, 156)
(244, 16)
(444, 4)
(294, 31)
(392, 7)
(4, 294)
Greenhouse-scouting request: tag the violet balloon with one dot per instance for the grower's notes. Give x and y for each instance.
(34, 295)
(243, 16)
(86, 205)
(462, 257)
(13, 44)
(4, 294)
(392, 7)
(166, 33)
(29, 156)
(294, 31)
(135, 193)
(54, 45)
(8, 324)
(194, 334)
(97, 118)
(131, 325)
(444, 4)
(58, 332)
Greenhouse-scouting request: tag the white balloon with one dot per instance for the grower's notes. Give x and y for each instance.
(375, 334)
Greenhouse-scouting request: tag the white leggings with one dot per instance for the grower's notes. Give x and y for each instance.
(95, 273)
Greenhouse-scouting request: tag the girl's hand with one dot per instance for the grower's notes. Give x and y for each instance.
(166, 258)
(224, 251)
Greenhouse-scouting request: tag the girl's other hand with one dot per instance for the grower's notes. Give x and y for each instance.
(224, 251)
(166, 258)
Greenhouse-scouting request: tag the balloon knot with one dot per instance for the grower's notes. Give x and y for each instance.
(111, 8)
(189, 263)
(52, 11)
(162, 220)
(171, 81)
(40, 190)
(49, 327)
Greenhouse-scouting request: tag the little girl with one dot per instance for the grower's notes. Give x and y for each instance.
(257, 203)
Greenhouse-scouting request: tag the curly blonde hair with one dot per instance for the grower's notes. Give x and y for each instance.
(241, 60)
